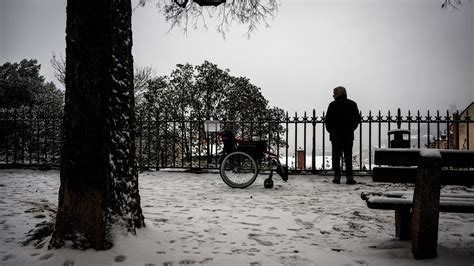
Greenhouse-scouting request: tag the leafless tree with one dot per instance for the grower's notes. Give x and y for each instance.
(59, 66)
(142, 76)
(452, 3)
(184, 14)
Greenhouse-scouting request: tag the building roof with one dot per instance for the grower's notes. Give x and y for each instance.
(466, 110)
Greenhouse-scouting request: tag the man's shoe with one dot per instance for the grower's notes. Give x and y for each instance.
(336, 181)
(351, 182)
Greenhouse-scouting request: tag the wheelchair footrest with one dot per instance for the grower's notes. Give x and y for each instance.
(283, 172)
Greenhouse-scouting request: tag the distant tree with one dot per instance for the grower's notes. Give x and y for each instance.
(24, 97)
(22, 85)
(141, 77)
(152, 102)
(179, 93)
(203, 92)
(206, 91)
(243, 101)
(49, 101)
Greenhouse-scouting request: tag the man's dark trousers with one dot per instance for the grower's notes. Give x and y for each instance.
(340, 146)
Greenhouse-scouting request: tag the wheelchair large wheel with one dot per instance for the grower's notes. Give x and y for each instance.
(238, 169)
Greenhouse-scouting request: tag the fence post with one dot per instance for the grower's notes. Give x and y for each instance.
(399, 119)
(438, 138)
(409, 119)
(22, 134)
(467, 118)
(53, 128)
(448, 129)
(360, 141)
(379, 120)
(369, 118)
(157, 148)
(313, 154)
(148, 141)
(418, 120)
(15, 135)
(305, 121)
(7, 146)
(295, 120)
(46, 124)
(428, 119)
(30, 142)
(323, 119)
(287, 119)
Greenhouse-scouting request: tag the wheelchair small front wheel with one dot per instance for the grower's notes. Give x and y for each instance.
(238, 169)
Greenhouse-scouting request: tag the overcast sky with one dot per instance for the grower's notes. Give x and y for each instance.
(388, 54)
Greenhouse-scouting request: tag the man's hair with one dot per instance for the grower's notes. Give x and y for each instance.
(340, 91)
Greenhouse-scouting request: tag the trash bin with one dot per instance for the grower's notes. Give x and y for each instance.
(300, 160)
(399, 138)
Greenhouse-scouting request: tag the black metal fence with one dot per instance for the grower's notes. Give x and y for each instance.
(29, 139)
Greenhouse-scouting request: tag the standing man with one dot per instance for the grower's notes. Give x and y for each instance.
(342, 118)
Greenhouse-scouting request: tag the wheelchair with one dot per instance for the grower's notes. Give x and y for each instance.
(243, 161)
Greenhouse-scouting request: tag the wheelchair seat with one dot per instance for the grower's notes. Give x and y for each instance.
(255, 148)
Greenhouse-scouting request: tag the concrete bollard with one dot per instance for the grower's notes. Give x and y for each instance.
(425, 215)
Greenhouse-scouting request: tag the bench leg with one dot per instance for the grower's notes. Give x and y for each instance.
(426, 208)
(403, 224)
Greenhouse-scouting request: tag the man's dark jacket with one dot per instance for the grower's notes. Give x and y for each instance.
(342, 118)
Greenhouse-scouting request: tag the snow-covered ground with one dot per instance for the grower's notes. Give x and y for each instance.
(197, 219)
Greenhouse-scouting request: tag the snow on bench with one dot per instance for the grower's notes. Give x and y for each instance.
(417, 211)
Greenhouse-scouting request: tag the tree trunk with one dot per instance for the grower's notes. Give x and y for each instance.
(99, 178)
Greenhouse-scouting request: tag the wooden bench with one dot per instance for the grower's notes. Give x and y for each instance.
(417, 211)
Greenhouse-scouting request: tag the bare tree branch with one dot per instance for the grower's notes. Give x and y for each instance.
(59, 66)
(455, 4)
(141, 78)
(190, 14)
(186, 13)
(142, 75)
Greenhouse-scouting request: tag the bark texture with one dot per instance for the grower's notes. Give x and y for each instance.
(99, 178)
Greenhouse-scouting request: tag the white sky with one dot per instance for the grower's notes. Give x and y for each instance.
(388, 54)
